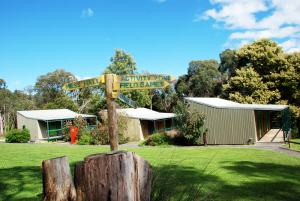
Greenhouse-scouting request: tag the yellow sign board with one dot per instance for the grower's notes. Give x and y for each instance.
(142, 78)
(140, 85)
(84, 83)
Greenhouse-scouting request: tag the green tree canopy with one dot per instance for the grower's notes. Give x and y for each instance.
(201, 80)
(64, 102)
(228, 62)
(49, 87)
(123, 64)
(247, 87)
(269, 76)
(2, 84)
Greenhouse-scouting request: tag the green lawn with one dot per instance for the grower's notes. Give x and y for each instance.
(223, 174)
(2, 138)
(293, 145)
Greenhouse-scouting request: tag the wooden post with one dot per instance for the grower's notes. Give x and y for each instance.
(121, 176)
(57, 180)
(79, 181)
(111, 111)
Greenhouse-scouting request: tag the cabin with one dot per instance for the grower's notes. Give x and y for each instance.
(144, 122)
(235, 123)
(48, 124)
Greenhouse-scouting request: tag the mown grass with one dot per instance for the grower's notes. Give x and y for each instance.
(293, 145)
(222, 173)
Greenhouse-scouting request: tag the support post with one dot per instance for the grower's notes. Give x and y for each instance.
(111, 111)
(164, 125)
(61, 127)
(48, 130)
(154, 127)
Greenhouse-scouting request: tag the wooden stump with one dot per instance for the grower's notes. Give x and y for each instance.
(57, 180)
(122, 176)
(79, 181)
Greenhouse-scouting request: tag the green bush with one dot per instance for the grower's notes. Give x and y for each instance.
(158, 139)
(84, 140)
(67, 130)
(16, 135)
(99, 135)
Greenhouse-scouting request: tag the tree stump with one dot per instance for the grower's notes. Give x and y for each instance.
(122, 176)
(79, 181)
(57, 180)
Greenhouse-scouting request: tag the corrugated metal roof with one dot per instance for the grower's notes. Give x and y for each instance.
(45, 115)
(225, 104)
(145, 114)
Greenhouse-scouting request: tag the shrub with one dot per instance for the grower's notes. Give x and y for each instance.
(67, 131)
(158, 139)
(16, 135)
(83, 127)
(122, 123)
(84, 140)
(189, 123)
(99, 135)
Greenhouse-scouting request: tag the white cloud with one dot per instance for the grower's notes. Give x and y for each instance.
(244, 17)
(291, 45)
(87, 12)
(84, 78)
(15, 83)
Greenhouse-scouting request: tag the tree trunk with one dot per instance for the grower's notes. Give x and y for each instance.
(1, 125)
(204, 139)
(122, 176)
(57, 180)
(79, 181)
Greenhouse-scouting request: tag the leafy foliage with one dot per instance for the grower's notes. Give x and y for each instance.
(189, 123)
(266, 75)
(49, 87)
(202, 80)
(124, 64)
(67, 130)
(2, 84)
(247, 87)
(16, 135)
(64, 102)
(99, 134)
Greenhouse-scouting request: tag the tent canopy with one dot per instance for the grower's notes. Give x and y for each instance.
(46, 115)
(225, 104)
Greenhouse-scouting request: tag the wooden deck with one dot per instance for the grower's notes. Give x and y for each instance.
(274, 135)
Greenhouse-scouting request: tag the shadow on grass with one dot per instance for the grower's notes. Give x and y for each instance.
(262, 181)
(242, 181)
(21, 183)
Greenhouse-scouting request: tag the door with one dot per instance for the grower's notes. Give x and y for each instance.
(53, 127)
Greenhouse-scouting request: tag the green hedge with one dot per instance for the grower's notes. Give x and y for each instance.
(16, 135)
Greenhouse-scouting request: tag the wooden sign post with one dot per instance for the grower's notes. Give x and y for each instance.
(111, 111)
(120, 82)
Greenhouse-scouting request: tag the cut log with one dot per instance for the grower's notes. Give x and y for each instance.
(79, 181)
(57, 180)
(122, 176)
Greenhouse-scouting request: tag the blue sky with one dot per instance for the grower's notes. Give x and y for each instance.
(163, 36)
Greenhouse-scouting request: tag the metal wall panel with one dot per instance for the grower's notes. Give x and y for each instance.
(228, 126)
